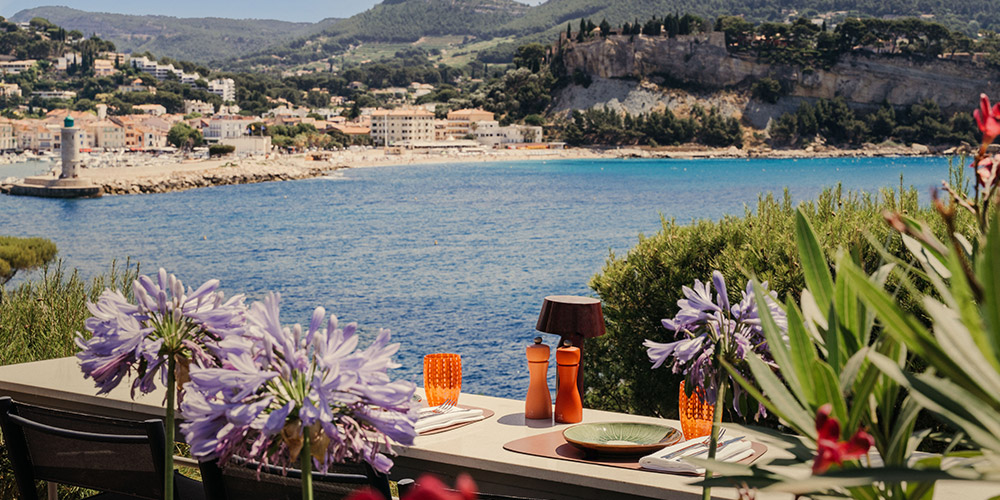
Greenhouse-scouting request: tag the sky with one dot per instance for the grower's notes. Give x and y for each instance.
(285, 10)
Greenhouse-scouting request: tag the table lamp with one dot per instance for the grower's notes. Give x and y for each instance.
(573, 318)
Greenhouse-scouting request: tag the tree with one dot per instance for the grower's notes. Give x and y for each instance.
(605, 28)
(530, 56)
(23, 254)
(184, 136)
(220, 149)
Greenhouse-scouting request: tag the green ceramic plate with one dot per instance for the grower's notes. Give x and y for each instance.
(621, 438)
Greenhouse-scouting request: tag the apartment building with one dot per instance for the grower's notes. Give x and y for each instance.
(8, 140)
(224, 88)
(463, 122)
(227, 127)
(104, 67)
(107, 135)
(136, 86)
(402, 126)
(16, 67)
(54, 94)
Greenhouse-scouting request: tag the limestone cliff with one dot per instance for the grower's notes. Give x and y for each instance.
(702, 61)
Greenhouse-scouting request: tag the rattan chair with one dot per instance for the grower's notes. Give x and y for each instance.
(240, 480)
(121, 458)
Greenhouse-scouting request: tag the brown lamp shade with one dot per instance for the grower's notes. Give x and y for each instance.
(571, 315)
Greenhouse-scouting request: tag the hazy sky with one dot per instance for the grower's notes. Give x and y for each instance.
(286, 10)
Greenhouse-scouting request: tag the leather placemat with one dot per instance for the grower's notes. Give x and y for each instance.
(487, 413)
(553, 445)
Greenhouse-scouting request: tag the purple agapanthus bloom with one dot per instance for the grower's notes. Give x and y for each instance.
(707, 323)
(286, 381)
(165, 321)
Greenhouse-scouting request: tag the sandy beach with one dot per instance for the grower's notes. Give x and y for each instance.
(164, 175)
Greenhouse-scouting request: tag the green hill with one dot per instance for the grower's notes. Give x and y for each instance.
(199, 40)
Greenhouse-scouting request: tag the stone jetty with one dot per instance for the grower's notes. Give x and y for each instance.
(227, 173)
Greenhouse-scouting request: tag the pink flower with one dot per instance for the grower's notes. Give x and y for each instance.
(984, 170)
(988, 119)
(430, 488)
(830, 450)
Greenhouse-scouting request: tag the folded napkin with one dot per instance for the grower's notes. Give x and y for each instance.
(430, 421)
(669, 458)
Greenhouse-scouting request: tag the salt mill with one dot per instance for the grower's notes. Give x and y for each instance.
(538, 403)
(569, 407)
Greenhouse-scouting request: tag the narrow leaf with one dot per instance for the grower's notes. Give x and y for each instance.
(814, 264)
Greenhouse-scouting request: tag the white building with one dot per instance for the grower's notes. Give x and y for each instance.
(198, 106)
(64, 61)
(16, 67)
(402, 126)
(150, 109)
(54, 94)
(224, 88)
(249, 145)
(227, 127)
(229, 109)
(10, 90)
(8, 140)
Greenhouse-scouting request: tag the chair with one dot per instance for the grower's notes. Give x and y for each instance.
(240, 479)
(122, 458)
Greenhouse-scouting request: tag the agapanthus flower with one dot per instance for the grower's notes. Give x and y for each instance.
(285, 382)
(707, 322)
(830, 449)
(165, 321)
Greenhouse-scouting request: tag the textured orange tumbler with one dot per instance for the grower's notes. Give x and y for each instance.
(696, 414)
(442, 377)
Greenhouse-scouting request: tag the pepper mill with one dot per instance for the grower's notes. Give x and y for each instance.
(569, 407)
(538, 403)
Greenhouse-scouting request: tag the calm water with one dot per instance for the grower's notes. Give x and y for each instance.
(450, 257)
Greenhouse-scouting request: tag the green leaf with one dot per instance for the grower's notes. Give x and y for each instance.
(929, 261)
(828, 390)
(801, 348)
(776, 343)
(949, 401)
(814, 264)
(957, 342)
(857, 477)
(988, 272)
(779, 399)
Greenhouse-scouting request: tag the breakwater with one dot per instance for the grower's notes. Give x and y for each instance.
(219, 176)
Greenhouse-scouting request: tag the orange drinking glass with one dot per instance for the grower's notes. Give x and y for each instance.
(696, 414)
(442, 377)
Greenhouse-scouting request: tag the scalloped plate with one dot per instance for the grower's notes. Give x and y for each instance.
(621, 438)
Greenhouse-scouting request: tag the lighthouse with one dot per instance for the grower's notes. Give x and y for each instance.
(70, 150)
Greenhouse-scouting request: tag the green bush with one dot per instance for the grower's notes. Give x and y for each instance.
(220, 149)
(39, 320)
(643, 286)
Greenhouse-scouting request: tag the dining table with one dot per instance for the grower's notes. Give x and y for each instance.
(476, 448)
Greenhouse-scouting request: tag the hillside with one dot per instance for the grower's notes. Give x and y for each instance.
(199, 40)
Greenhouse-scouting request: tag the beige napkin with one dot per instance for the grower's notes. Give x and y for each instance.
(430, 421)
(669, 458)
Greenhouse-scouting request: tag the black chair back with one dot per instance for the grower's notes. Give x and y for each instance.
(241, 479)
(112, 455)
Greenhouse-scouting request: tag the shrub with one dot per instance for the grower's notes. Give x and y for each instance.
(220, 149)
(23, 254)
(642, 287)
(40, 319)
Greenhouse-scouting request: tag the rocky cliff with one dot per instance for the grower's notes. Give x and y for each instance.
(702, 61)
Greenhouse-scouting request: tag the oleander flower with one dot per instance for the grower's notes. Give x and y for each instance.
(830, 449)
(706, 322)
(285, 382)
(166, 321)
(988, 119)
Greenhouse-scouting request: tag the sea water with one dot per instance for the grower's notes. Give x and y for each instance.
(451, 258)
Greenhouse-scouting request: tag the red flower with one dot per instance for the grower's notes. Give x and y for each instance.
(429, 488)
(830, 450)
(988, 119)
(984, 169)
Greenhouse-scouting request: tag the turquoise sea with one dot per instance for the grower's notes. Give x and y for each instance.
(454, 257)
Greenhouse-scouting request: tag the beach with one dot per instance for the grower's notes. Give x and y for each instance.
(176, 174)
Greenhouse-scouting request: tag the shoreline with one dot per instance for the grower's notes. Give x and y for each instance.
(193, 174)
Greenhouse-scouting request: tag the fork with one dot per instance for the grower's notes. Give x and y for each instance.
(447, 406)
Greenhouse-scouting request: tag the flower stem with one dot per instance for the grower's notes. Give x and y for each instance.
(168, 454)
(706, 492)
(305, 463)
